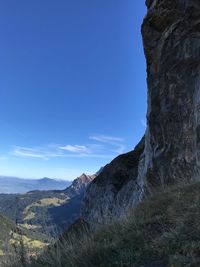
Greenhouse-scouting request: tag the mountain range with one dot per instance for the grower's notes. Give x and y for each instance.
(14, 185)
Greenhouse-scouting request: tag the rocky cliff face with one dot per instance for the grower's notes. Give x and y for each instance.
(115, 190)
(171, 153)
(79, 185)
(171, 34)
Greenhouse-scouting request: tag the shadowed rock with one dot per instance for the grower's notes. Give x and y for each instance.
(115, 190)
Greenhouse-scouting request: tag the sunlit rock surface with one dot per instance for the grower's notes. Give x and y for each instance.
(170, 152)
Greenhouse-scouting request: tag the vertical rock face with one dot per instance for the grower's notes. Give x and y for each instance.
(171, 153)
(171, 35)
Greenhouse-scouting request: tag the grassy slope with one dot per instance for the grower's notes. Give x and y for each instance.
(163, 231)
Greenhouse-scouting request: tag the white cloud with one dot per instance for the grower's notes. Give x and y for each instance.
(106, 138)
(104, 147)
(37, 152)
(75, 148)
(115, 143)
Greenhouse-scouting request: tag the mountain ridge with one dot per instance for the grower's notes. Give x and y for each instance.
(13, 185)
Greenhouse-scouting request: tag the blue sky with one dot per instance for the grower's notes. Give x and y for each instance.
(72, 85)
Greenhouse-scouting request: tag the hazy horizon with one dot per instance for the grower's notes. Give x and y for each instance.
(35, 178)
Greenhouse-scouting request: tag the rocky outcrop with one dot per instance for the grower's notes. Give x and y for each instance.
(79, 185)
(171, 37)
(115, 189)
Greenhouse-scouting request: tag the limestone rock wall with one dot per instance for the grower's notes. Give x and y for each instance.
(170, 152)
(171, 35)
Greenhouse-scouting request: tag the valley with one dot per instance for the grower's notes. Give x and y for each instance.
(48, 212)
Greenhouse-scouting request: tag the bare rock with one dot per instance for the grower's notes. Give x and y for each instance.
(115, 189)
(171, 35)
(171, 150)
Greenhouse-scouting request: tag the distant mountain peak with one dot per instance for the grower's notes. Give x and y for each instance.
(84, 178)
(82, 175)
(19, 185)
(79, 185)
(45, 179)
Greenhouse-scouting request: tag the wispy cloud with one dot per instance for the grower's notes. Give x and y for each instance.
(106, 138)
(37, 152)
(75, 148)
(115, 142)
(103, 146)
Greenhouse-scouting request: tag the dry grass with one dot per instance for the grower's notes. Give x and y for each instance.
(164, 231)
